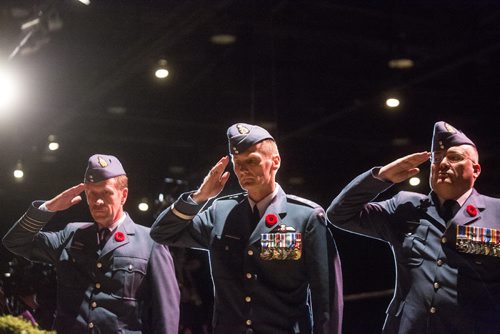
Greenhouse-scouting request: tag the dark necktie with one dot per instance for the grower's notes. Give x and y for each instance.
(103, 235)
(449, 209)
(255, 218)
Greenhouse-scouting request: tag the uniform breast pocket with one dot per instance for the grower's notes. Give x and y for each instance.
(127, 275)
(414, 243)
(227, 256)
(70, 271)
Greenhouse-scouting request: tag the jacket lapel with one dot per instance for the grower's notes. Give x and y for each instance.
(276, 207)
(463, 217)
(432, 210)
(126, 229)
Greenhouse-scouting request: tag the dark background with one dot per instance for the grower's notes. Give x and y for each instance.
(315, 73)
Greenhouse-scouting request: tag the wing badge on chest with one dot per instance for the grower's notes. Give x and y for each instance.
(282, 243)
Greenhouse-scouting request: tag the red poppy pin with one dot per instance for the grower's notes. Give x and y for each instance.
(119, 236)
(271, 220)
(471, 210)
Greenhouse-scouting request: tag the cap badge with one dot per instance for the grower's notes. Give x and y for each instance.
(242, 129)
(102, 162)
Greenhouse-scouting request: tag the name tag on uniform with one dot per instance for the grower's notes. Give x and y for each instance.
(478, 240)
(281, 245)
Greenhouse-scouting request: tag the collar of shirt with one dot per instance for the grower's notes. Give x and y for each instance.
(461, 200)
(118, 222)
(264, 203)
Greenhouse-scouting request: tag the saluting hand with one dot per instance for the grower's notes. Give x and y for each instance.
(403, 168)
(213, 183)
(66, 199)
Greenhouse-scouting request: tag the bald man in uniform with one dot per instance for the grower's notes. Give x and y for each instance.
(274, 262)
(446, 244)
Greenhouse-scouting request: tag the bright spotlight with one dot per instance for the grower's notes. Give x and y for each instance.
(143, 206)
(392, 102)
(161, 71)
(18, 173)
(414, 181)
(54, 146)
(9, 90)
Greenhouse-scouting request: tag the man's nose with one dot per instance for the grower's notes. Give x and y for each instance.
(444, 165)
(99, 201)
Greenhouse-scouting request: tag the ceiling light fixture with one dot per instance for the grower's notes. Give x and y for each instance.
(223, 39)
(161, 71)
(18, 172)
(401, 63)
(53, 143)
(392, 102)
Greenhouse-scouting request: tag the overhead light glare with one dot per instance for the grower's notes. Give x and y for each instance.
(392, 102)
(9, 89)
(143, 206)
(162, 71)
(223, 39)
(18, 172)
(30, 24)
(401, 63)
(85, 2)
(54, 146)
(414, 181)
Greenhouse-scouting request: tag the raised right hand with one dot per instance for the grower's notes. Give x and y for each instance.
(66, 199)
(213, 183)
(403, 168)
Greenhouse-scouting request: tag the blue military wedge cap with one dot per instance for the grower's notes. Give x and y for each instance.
(241, 136)
(102, 167)
(445, 136)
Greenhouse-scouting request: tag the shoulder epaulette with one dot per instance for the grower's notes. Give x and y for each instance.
(303, 201)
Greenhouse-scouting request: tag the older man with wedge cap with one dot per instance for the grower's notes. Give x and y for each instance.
(446, 244)
(111, 276)
(274, 262)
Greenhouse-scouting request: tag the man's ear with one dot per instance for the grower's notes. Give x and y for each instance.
(276, 162)
(477, 170)
(124, 195)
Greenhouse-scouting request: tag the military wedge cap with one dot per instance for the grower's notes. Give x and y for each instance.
(102, 167)
(446, 136)
(241, 136)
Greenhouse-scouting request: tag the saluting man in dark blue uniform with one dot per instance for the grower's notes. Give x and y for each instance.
(111, 276)
(268, 250)
(446, 244)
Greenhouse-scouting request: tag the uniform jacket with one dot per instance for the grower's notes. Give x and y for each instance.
(438, 289)
(127, 287)
(253, 295)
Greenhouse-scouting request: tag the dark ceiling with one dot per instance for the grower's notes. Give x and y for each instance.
(313, 72)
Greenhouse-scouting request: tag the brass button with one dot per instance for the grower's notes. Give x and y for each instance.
(90, 325)
(443, 240)
(130, 267)
(433, 310)
(98, 285)
(248, 322)
(248, 275)
(248, 299)
(440, 262)
(436, 285)
(94, 304)
(250, 252)
(99, 265)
